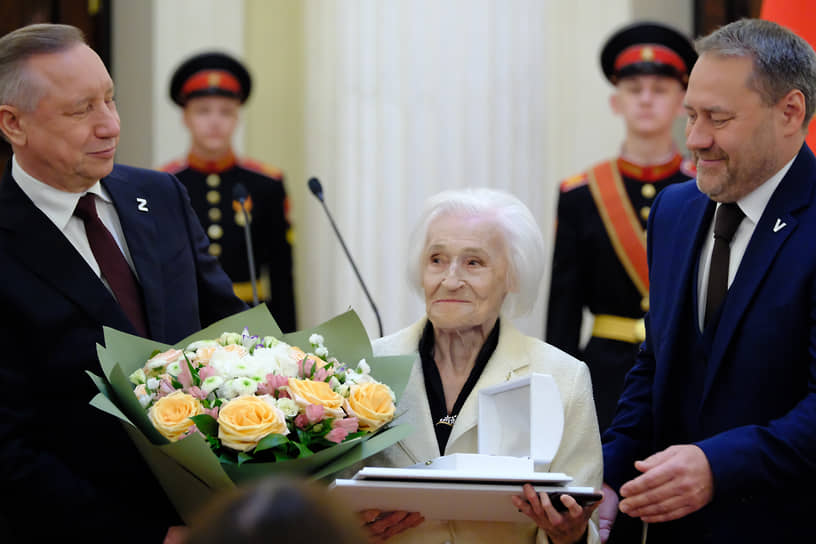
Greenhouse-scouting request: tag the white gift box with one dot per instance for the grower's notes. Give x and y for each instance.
(520, 427)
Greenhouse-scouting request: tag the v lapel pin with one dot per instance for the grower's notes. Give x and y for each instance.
(142, 205)
(779, 225)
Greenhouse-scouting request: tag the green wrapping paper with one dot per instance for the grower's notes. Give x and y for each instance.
(188, 470)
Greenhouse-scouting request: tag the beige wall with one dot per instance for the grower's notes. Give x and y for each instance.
(274, 44)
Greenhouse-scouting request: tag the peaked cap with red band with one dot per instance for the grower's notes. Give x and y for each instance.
(647, 48)
(208, 74)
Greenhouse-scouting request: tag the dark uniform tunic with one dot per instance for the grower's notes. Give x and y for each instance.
(587, 273)
(210, 185)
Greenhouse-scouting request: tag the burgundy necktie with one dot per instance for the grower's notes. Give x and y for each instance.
(112, 263)
(728, 218)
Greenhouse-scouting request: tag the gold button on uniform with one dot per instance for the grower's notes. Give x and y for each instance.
(215, 232)
(213, 197)
(644, 303)
(644, 212)
(648, 190)
(213, 180)
(214, 214)
(215, 250)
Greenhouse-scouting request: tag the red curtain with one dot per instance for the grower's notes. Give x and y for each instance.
(795, 15)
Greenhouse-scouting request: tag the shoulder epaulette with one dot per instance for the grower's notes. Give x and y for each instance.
(574, 182)
(689, 167)
(261, 168)
(174, 166)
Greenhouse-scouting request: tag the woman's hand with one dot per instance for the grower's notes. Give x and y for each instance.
(381, 526)
(561, 527)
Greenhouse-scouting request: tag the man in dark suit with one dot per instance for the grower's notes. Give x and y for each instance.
(714, 439)
(67, 470)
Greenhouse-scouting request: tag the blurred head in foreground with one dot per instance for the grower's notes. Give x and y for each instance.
(277, 510)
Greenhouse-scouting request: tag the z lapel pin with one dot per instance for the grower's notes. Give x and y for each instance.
(779, 225)
(142, 205)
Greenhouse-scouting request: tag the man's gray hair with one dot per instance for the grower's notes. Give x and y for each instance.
(19, 87)
(522, 236)
(782, 60)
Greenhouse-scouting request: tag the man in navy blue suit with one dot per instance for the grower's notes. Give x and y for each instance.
(68, 471)
(714, 439)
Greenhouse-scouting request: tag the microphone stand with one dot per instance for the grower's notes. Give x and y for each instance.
(317, 190)
(250, 253)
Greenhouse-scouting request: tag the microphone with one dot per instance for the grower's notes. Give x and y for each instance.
(317, 190)
(239, 197)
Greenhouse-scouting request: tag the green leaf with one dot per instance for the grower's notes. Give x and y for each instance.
(303, 451)
(271, 441)
(243, 457)
(193, 371)
(206, 424)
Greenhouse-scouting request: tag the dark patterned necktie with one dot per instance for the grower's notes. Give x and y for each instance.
(112, 263)
(728, 218)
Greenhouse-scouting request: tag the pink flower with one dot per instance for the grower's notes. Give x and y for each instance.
(212, 412)
(350, 424)
(321, 374)
(185, 377)
(205, 372)
(314, 413)
(165, 388)
(305, 367)
(337, 435)
(341, 428)
(272, 386)
(196, 392)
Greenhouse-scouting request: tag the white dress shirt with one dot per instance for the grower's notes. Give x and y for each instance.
(752, 205)
(59, 207)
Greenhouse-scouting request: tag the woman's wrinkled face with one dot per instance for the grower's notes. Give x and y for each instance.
(464, 271)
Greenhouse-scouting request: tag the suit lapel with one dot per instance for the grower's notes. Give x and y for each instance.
(415, 410)
(132, 204)
(794, 192)
(47, 253)
(506, 361)
(695, 217)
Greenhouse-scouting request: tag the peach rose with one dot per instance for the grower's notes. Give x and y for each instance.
(305, 392)
(171, 414)
(372, 404)
(245, 420)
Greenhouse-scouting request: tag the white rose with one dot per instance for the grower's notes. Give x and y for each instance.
(287, 406)
(321, 351)
(238, 387)
(316, 340)
(363, 367)
(211, 384)
(174, 369)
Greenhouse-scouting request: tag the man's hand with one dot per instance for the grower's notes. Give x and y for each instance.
(675, 482)
(561, 527)
(607, 511)
(176, 534)
(381, 526)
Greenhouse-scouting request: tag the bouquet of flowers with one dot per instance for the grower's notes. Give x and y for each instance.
(254, 397)
(221, 408)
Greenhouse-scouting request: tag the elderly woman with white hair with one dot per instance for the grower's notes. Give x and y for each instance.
(478, 258)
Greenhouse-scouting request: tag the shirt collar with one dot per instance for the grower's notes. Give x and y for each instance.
(56, 204)
(754, 203)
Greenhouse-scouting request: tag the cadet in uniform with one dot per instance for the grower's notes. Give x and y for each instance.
(599, 260)
(211, 87)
